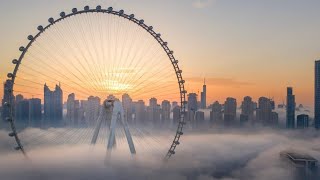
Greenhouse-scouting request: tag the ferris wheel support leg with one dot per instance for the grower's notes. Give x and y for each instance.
(112, 137)
(128, 136)
(97, 130)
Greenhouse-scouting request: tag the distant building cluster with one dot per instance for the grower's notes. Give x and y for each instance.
(86, 112)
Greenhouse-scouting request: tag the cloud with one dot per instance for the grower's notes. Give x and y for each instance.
(201, 156)
(202, 3)
(215, 81)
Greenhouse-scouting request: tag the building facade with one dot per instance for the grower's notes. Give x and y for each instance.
(291, 108)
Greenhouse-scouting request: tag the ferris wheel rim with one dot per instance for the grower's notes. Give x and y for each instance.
(111, 11)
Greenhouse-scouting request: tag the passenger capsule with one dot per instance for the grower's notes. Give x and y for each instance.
(131, 16)
(17, 148)
(10, 75)
(12, 134)
(21, 48)
(40, 28)
(171, 52)
(165, 43)
(30, 37)
(184, 91)
(51, 20)
(182, 81)
(74, 10)
(15, 61)
(141, 21)
(8, 119)
(177, 142)
(121, 12)
(62, 14)
(180, 133)
(172, 152)
(176, 62)
(110, 9)
(86, 8)
(150, 28)
(179, 71)
(98, 8)
(158, 35)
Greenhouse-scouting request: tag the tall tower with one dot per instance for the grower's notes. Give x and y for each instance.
(317, 95)
(204, 95)
(291, 107)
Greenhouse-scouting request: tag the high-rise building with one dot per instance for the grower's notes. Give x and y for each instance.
(230, 111)
(75, 113)
(174, 104)
(302, 121)
(291, 107)
(22, 111)
(176, 114)
(92, 110)
(53, 104)
(192, 106)
(153, 111)
(265, 115)
(139, 112)
(127, 107)
(6, 98)
(35, 111)
(216, 115)
(317, 95)
(247, 110)
(264, 111)
(199, 118)
(204, 95)
(165, 111)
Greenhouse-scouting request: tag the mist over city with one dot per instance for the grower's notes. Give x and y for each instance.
(192, 90)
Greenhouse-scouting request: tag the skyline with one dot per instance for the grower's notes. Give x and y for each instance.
(286, 51)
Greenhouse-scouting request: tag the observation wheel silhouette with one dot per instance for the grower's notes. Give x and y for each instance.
(91, 54)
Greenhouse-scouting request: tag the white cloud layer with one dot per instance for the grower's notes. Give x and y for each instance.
(232, 156)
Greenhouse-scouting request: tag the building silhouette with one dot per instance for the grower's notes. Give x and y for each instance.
(5, 111)
(203, 94)
(265, 115)
(53, 104)
(230, 111)
(176, 114)
(302, 121)
(35, 111)
(127, 107)
(247, 110)
(317, 94)
(92, 109)
(192, 106)
(291, 107)
(139, 112)
(165, 111)
(216, 115)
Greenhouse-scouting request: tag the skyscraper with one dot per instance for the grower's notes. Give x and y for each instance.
(291, 107)
(127, 107)
(35, 111)
(192, 106)
(176, 114)
(204, 95)
(139, 112)
(165, 111)
(216, 115)
(247, 110)
(92, 110)
(317, 95)
(53, 103)
(265, 114)
(6, 98)
(230, 111)
(302, 121)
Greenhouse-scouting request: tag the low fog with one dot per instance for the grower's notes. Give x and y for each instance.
(211, 155)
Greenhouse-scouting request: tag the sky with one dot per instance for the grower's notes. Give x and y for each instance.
(248, 47)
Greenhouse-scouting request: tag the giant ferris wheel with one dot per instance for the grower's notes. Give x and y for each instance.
(98, 53)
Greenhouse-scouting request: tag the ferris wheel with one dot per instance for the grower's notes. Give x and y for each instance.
(84, 57)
